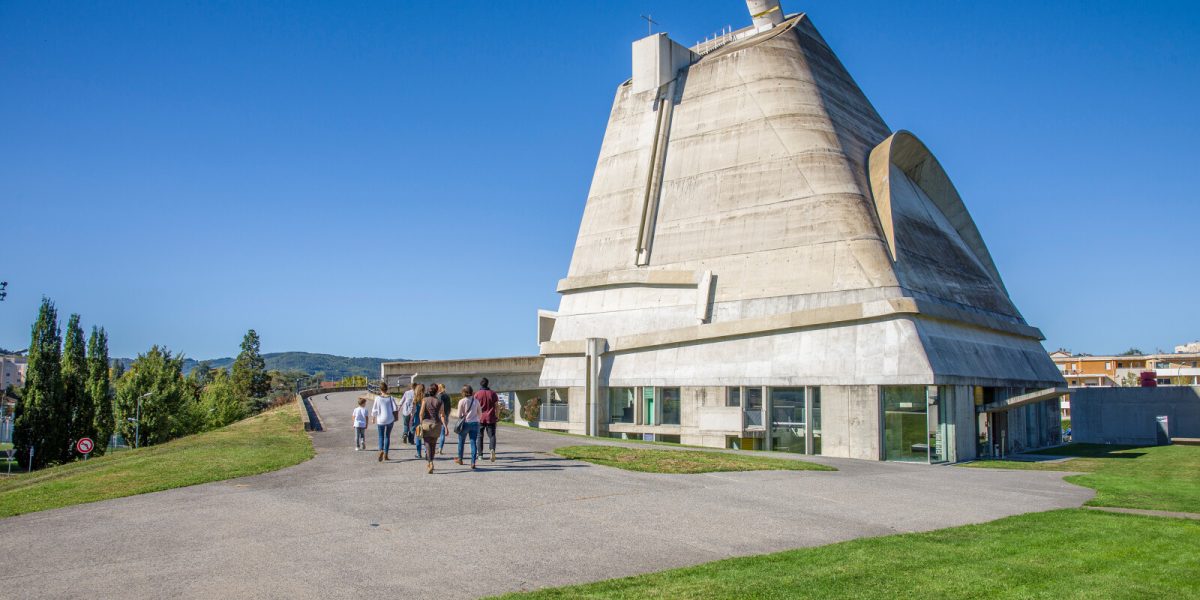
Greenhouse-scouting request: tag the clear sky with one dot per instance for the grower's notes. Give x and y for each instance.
(405, 179)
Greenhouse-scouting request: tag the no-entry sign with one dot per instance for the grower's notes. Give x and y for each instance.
(84, 445)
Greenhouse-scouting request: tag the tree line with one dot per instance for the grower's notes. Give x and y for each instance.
(72, 391)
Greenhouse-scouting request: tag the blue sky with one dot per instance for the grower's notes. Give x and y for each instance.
(405, 179)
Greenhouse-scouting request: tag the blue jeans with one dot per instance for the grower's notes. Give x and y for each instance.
(470, 430)
(420, 443)
(442, 438)
(408, 429)
(385, 437)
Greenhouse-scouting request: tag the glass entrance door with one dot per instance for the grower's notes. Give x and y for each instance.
(788, 425)
(905, 426)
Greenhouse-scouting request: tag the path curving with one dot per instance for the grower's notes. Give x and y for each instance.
(345, 526)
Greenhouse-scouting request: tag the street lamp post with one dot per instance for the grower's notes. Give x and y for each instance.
(137, 423)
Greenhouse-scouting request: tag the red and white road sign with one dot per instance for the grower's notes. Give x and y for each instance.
(84, 445)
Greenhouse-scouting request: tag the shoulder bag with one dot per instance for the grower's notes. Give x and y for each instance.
(429, 427)
(462, 423)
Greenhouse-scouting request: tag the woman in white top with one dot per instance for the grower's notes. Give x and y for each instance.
(468, 412)
(384, 414)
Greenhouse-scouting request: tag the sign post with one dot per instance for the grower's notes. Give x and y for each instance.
(84, 446)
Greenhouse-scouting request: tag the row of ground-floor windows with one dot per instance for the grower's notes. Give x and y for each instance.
(919, 422)
(660, 405)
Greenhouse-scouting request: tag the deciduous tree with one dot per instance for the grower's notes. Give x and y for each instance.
(221, 403)
(168, 410)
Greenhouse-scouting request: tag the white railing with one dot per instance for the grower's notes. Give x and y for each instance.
(555, 412)
(716, 41)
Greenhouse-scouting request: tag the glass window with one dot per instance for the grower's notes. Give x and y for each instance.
(733, 396)
(649, 415)
(905, 430)
(556, 407)
(815, 419)
(754, 406)
(670, 406)
(787, 420)
(620, 405)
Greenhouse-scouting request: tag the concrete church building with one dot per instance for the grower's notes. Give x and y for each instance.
(763, 263)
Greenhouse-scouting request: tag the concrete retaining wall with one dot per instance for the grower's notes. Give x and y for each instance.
(1126, 415)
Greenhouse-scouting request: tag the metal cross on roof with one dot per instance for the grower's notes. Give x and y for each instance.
(650, 23)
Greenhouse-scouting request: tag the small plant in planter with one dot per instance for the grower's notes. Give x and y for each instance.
(531, 409)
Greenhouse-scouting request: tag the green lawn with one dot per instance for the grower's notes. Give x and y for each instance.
(265, 442)
(1059, 554)
(682, 461)
(1155, 477)
(1074, 553)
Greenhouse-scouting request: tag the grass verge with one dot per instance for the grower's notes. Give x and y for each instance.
(682, 461)
(1154, 478)
(265, 442)
(1066, 553)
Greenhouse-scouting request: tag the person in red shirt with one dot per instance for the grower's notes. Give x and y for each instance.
(489, 409)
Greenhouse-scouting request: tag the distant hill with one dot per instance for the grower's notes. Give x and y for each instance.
(334, 367)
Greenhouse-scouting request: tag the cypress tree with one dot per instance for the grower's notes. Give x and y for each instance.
(250, 370)
(40, 424)
(99, 388)
(76, 402)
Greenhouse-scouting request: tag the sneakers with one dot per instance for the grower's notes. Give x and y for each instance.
(493, 456)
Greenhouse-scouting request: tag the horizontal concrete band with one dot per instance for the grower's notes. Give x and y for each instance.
(631, 277)
(816, 317)
(467, 366)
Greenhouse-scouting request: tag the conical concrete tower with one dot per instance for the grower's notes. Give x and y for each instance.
(763, 262)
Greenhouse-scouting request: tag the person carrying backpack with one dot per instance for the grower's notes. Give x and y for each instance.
(407, 402)
(489, 413)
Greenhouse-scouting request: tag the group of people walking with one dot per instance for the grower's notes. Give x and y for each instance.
(424, 413)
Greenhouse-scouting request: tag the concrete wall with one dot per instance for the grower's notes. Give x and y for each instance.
(850, 422)
(1126, 415)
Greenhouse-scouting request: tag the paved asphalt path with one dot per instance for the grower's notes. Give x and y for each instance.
(345, 526)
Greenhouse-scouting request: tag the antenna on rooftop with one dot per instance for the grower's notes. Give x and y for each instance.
(650, 23)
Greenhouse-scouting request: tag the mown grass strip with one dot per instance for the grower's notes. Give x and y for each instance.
(1061, 554)
(265, 442)
(682, 461)
(1153, 478)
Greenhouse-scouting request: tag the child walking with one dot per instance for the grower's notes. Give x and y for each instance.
(360, 425)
